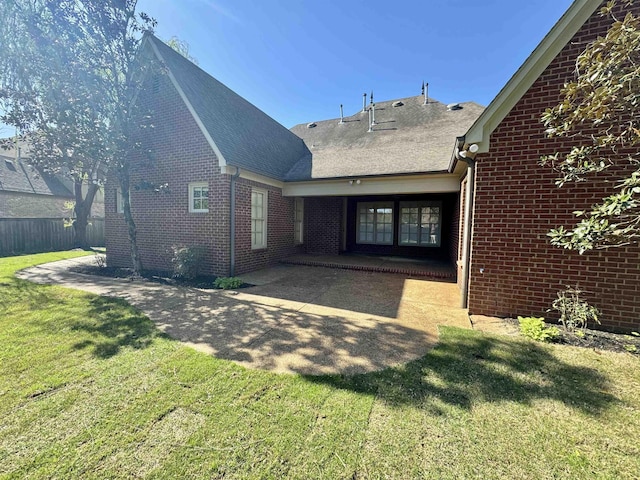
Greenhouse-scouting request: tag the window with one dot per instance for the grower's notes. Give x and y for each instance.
(120, 201)
(298, 215)
(420, 224)
(375, 223)
(199, 197)
(258, 218)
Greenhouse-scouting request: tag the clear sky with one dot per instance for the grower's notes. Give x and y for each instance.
(298, 60)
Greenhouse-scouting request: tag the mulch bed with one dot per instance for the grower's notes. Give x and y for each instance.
(202, 282)
(597, 339)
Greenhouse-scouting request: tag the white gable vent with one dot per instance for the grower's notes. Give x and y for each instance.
(397, 104)
(454, 106)
(312, 124)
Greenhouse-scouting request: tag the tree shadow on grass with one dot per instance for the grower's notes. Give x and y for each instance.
(469, 368)
(113, 324)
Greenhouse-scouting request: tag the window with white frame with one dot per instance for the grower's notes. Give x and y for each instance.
(258, 218)
(375, 223)
(298, 216)
(119, 201)
(420, 224)
(199, 197)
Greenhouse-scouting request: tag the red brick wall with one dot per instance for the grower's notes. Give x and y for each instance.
(280, 238)
(323, 225)
(517, 203)
(179, 155)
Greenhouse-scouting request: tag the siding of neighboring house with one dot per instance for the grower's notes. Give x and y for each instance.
(31, 205)
(517, 203)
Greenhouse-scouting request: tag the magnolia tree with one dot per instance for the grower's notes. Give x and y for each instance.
(69, 76)
(600, 114)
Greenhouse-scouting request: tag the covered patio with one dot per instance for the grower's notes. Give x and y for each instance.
(415, 267)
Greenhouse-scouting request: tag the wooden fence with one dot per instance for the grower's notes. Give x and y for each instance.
(35, 235)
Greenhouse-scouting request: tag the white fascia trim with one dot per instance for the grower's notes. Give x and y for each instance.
(444, 183)
(221, 160)
(550, 46)
(254, 177)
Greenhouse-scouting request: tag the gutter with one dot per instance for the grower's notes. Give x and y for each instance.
(232, 226)
(467, 153)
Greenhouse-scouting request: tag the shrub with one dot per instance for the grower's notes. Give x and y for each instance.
(535, 328)
(574, 311)
(101, 260)
(186, 261)
(228, 283)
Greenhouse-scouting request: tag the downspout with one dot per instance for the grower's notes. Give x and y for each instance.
(232, 226)
(468, 156)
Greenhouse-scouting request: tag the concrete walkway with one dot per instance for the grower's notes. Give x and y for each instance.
(297, 319)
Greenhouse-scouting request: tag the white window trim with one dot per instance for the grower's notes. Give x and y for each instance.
(262, 244)
(192, 186)
(374, 205)
(298, 221)
(120, 201)
(419, 204)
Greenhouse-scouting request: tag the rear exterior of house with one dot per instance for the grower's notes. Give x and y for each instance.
(406, 185)
(326, 188)
(514, 268)
(194, 209)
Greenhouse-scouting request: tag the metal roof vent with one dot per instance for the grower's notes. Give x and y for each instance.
(397, 104)
(312, 124)
(454, 106)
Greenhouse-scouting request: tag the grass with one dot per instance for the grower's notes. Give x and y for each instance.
(90, 389)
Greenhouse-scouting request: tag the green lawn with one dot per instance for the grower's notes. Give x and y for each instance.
(90, 389)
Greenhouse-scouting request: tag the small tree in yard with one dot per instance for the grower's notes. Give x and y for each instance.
(600, 113)
(68, 79)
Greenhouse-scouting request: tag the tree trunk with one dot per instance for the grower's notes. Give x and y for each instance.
(136, 262)
(82, 210)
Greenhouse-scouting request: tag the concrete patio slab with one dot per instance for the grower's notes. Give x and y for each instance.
(297, 319)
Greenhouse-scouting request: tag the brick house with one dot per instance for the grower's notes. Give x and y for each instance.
(28, 193)
(325, 187)
(455, 183)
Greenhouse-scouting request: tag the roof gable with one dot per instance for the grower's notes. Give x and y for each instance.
(240, 134)
(548, 49)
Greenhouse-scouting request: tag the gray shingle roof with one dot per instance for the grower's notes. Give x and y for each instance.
(17, 176)
(413, 138)
(246, 136)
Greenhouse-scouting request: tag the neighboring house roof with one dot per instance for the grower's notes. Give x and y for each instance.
(17, 176)
(240, 133)
(412, 138)
(548, 49)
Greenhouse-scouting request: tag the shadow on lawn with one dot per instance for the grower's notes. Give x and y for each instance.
(468, 368)
(114, 324)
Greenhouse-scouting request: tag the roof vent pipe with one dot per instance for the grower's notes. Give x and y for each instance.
(426, 93)
(373, 114)
(370, 122)
(341, 115)
(364, 102)
(371, 101)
